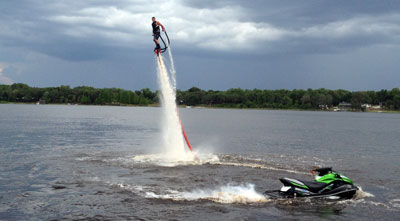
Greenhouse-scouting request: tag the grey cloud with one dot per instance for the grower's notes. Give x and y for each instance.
(28, 24)
(290, 26)
(3, 78)
(230, 32)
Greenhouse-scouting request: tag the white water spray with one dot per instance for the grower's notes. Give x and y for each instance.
(172, 131)
(172, 69)
(242, 194)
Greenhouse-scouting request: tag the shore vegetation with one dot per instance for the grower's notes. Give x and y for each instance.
(298, 99)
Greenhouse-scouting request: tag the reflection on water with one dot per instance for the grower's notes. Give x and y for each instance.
(63, 162)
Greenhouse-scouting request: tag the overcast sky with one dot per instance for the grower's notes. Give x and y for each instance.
(265, 44)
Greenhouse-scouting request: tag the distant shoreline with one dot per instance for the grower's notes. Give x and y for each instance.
(234, 98)
(204, 107)
(289, 109)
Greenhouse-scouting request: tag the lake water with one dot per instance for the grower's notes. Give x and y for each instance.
(95, 162)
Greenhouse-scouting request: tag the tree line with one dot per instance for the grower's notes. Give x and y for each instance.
(232, 98)
(78, 95)
(290, 99)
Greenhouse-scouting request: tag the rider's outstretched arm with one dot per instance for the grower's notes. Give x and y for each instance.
(162, 26)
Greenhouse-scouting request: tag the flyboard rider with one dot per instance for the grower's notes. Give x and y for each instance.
(156, 32)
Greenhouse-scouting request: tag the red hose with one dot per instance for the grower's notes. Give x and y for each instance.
(180, 121)
(184, 133)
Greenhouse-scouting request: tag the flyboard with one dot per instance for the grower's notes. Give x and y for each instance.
(158, 52)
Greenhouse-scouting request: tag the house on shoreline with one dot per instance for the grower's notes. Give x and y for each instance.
(41, 101)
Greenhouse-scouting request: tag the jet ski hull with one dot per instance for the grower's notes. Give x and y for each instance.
(343, 192)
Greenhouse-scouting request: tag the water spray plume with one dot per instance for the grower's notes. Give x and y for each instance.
(172, 69)
(173, 132)
(241, 194)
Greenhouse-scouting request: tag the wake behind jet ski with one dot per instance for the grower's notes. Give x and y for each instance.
(327, 183)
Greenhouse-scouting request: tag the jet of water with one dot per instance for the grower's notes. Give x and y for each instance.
(172, 69)
(172, 131)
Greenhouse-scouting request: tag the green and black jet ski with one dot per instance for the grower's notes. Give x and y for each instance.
(327, 183)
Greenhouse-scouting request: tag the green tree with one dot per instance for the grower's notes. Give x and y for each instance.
(85, 99)
(306, 101)
(358, 98)
(395, 93)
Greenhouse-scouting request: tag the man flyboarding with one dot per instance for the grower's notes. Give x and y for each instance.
(156, 33)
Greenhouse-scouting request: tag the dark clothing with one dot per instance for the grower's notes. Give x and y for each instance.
(156, 28)
(156, 35)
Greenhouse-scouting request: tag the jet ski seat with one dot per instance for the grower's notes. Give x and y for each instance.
(314, 186)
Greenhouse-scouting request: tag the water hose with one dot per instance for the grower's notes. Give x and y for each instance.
(184, 133)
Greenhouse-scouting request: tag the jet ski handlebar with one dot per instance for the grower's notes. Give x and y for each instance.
(322, 171)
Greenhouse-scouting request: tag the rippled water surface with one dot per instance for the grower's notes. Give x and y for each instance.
(108, 163)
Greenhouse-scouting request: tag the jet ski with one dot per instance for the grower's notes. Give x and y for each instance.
(327, 183)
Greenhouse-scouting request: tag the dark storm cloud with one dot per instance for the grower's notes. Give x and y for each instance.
(252, 34)
(276, 26)
(31, 25)
(315, 11)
